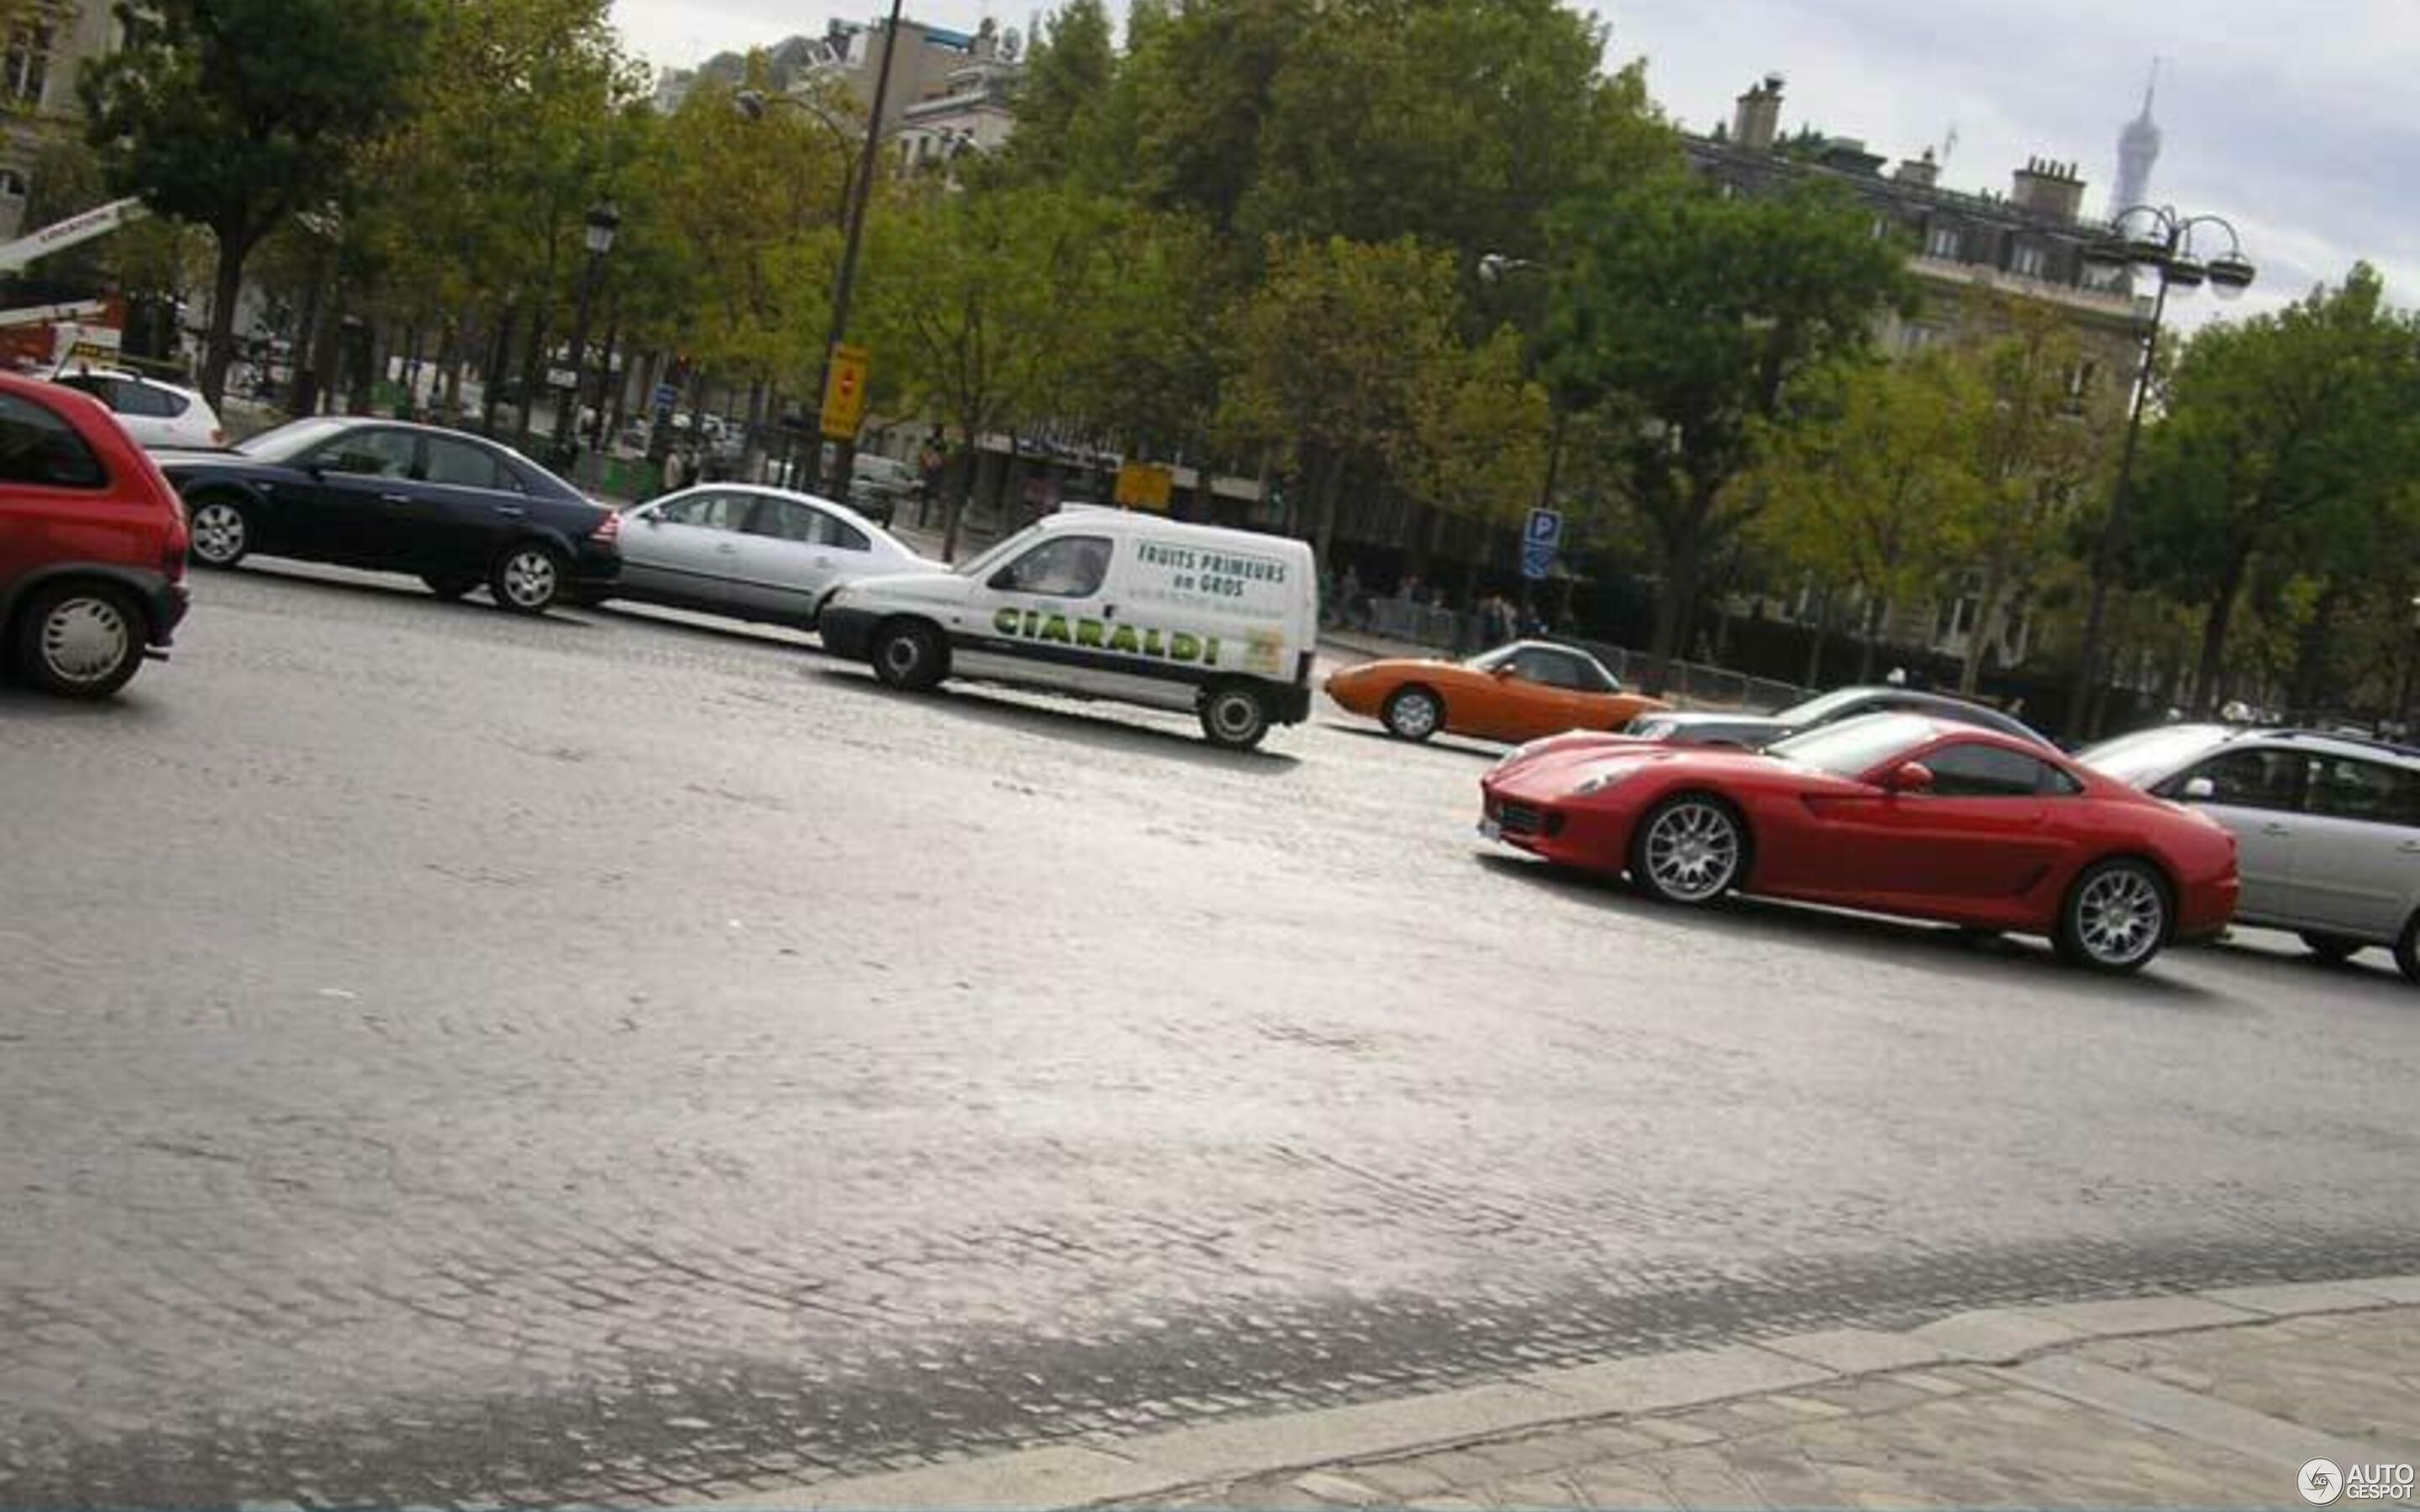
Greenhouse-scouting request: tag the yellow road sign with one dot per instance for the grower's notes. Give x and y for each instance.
(844, 393)
(1145, 486)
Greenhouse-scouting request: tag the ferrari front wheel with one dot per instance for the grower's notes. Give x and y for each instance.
(2116, 916)
(1690, 849)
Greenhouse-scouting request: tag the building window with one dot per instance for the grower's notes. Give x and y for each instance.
(1944, 241)
(2026, 260)
(12, 184)
(27, 67)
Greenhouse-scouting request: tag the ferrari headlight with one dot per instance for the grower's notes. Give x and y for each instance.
(1599, 781)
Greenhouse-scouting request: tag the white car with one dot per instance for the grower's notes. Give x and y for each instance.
(156, 414)
(2327, 827)
(752, 553)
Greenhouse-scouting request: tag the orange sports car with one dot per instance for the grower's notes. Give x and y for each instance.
(1516, 692)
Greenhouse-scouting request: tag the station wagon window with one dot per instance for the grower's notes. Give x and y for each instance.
(143, 399)
(460, 465)
(372, 454)
(2345, 787)
(715, 510)
(1972, 770)
(1065, 566)
(38, 447)
(2254, 779)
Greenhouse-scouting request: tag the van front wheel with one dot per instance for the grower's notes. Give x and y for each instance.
(908, 655)
(1234, 717)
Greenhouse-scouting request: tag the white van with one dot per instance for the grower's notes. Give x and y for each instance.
(1107, 604)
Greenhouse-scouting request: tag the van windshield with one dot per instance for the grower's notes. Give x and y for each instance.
(982, 561)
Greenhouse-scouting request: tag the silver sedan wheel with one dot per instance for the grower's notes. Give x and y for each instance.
(1693, 850)
(85, 640)
(529, 577)
(2120, 917)
(220, 532)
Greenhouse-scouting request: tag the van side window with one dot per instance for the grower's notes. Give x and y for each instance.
(1065, 566)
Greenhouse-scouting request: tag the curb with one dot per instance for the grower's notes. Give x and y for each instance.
(1176, 1461)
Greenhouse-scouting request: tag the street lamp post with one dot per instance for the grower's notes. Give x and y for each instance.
(1493, 269)
(2163, 244)
(603, 221)
(844, 287)
(755, 105)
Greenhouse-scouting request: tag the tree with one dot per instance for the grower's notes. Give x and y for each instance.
(1067, 84)
(234, 114)
(1690, 316)
(2283, 432)
(1866, 488)
(1329, 356)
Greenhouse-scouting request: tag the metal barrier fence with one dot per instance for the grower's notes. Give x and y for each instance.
(1695, 683)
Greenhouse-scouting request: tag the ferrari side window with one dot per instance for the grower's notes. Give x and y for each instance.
(1973, 770)
(1555, 668)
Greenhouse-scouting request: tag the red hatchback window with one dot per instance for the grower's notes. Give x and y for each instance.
(39, 448)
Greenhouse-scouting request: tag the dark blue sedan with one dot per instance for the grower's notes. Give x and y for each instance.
(455, 510)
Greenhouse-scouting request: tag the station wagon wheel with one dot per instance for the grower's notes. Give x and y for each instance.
(80, 640)
(1413, 713)
(2116, 916)
(2407, 951)
(1234, 717)
(1688, 850)
(220, 531)
(528, 577)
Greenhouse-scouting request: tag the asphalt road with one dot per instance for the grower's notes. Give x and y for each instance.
(447, 1058)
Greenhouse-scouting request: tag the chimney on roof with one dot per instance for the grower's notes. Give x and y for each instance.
(1920, 172)
(2047, 189)
(1757, 120)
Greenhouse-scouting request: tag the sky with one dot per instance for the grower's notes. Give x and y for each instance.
(2288, 118)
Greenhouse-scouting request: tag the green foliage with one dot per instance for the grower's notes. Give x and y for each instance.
(1693, 315)
(1067, 83)
(236, 114)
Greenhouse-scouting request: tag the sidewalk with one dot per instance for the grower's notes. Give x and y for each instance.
(2213, 1398)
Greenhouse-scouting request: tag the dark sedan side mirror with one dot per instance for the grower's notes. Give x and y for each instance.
(1907, 777)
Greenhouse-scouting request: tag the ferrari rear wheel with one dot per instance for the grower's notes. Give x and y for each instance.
(1413, 713)
(1689, 849)
(2116, 916)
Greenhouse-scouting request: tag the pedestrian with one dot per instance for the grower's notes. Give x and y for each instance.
(676, 472)
(1351, 591)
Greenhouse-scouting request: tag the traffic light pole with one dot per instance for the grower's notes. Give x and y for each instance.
(844, 287)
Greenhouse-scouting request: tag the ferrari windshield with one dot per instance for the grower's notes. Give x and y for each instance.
(1854, 746)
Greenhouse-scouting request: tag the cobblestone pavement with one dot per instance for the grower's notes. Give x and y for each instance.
(452, 1058)
(2158, 1432)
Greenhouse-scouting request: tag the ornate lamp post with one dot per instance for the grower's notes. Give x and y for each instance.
(603, 221)
(2157, 239)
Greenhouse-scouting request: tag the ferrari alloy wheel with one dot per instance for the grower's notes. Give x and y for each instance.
(1688, 850)
(2116, 918)
(1413, 713)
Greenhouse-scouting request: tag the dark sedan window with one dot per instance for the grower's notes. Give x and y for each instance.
(1972, 770)
(370, 454)
(38, 447)
(461, 465)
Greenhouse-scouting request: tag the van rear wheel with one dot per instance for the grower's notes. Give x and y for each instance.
(908, 655)
(1234, 717)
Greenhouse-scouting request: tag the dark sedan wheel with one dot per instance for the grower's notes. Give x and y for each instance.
(445, 587)
(2407, 951)
(2116, 916)
(528, 577)
(80, 640)
(1690, 849)
(2335, 950)
(1414, 714)
(222, 531)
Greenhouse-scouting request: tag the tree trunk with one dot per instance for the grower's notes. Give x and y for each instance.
(2311, 689)
(2207, 669)
(1987, 608)
(962, 487)
(1821, 603)
(532, 359)
(1674, 606)
(226, 287)
(1866, 633)
(500, 349)
(1324, 547)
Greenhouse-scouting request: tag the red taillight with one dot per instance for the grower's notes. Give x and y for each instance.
(608, 530)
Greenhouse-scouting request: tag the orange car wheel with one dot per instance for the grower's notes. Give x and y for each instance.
(1414, 713)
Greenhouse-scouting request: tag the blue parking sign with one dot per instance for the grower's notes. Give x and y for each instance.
(1539, 538)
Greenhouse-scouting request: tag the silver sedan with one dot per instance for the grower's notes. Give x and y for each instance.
(752, 553)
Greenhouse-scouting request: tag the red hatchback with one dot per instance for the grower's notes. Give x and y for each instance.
(92, 543)
(1891, 812)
